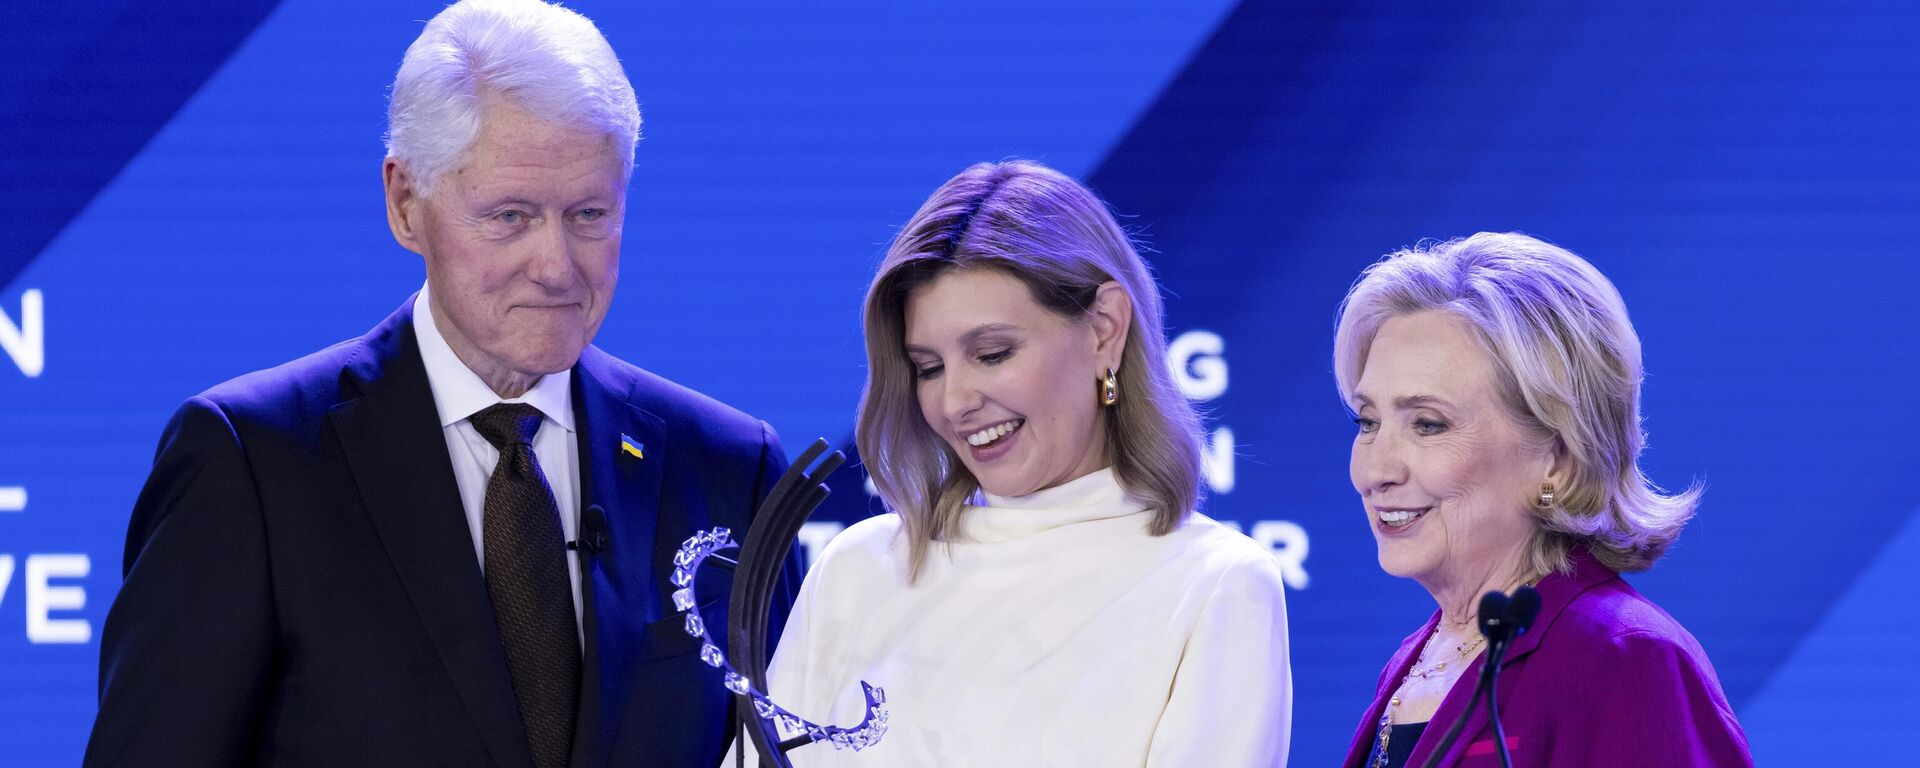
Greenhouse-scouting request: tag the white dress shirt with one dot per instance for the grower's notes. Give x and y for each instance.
(1052, 630)
(458, 393)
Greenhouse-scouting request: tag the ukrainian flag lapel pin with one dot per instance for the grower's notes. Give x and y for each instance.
(632, 447)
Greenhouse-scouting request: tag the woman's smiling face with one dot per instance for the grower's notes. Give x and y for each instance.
(1009, 384)
(1445, 473)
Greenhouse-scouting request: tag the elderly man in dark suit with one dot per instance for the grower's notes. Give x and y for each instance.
(446, 542)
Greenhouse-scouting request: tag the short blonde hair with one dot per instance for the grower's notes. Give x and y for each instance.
(1056, 236)
(1567, 366)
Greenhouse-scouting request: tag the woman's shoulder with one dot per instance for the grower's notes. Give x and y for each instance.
(1639, 671)
(1215, 540)
(877, 528)
(1215, 550)
(873, 543)
(1616, 615)
(1613, 630)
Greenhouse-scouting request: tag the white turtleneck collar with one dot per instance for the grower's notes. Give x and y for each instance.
(1097, 496)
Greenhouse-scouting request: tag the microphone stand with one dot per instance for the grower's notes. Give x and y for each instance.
(1491, 675)
(1493, 607)
(1502, 620)
(1517, 618)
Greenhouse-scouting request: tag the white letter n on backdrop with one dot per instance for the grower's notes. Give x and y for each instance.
(26, 342)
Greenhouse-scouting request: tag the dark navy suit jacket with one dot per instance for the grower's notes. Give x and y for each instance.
(301, 587)
(1604, 679)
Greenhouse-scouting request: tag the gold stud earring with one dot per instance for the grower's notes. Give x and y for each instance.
(1110, 389)
(1546, 498)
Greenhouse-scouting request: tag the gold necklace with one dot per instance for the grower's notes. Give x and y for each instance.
(1462, 651)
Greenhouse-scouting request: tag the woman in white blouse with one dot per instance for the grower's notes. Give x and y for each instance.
(1042, 593)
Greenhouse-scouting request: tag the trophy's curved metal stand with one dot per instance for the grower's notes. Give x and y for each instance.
(775, 526)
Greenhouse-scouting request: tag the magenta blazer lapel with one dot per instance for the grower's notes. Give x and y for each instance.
(1604, 678)
(1556, 593)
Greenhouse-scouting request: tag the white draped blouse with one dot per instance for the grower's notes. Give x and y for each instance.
(1051, 630)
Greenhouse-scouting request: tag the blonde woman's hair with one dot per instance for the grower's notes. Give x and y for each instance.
(1567, 368)
(1057, 237)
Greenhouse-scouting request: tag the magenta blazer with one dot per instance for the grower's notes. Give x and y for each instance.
(1605, 678)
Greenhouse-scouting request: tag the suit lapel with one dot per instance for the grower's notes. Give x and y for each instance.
(1556, 593)
(619, 595)
(398, 456)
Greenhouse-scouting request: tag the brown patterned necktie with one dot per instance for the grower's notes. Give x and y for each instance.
(526, 575)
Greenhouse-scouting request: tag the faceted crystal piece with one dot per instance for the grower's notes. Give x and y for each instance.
(712, 655)
(842, 741)
(682, 599)
(736, 683)
(695, 626)
(788, 723)
(722, 535)
(684, 557)
(682, 577)
(763, 708)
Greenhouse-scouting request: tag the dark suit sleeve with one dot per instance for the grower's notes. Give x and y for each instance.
(773, 464)
(187, 645)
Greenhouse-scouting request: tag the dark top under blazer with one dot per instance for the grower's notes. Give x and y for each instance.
(301, 587)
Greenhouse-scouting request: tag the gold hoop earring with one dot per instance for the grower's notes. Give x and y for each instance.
(1546, 498)
(1110, 389)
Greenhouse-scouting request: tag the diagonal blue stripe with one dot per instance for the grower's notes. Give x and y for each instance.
(1850, 683)
(83, 86)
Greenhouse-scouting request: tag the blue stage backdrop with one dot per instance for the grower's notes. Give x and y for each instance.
(192, 192)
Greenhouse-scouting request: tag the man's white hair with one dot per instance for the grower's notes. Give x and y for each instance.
(549, 60)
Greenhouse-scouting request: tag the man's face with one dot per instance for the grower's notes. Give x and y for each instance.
(522, 244)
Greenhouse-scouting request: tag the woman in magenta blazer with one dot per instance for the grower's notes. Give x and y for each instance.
(1495, 381)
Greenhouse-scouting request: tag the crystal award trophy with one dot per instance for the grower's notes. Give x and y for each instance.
(756, 574)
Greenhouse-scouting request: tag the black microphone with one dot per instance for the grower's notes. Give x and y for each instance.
(1493, 619)
(1514, 622)
(593, 532)
(1501, 619)
(1522, 610)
